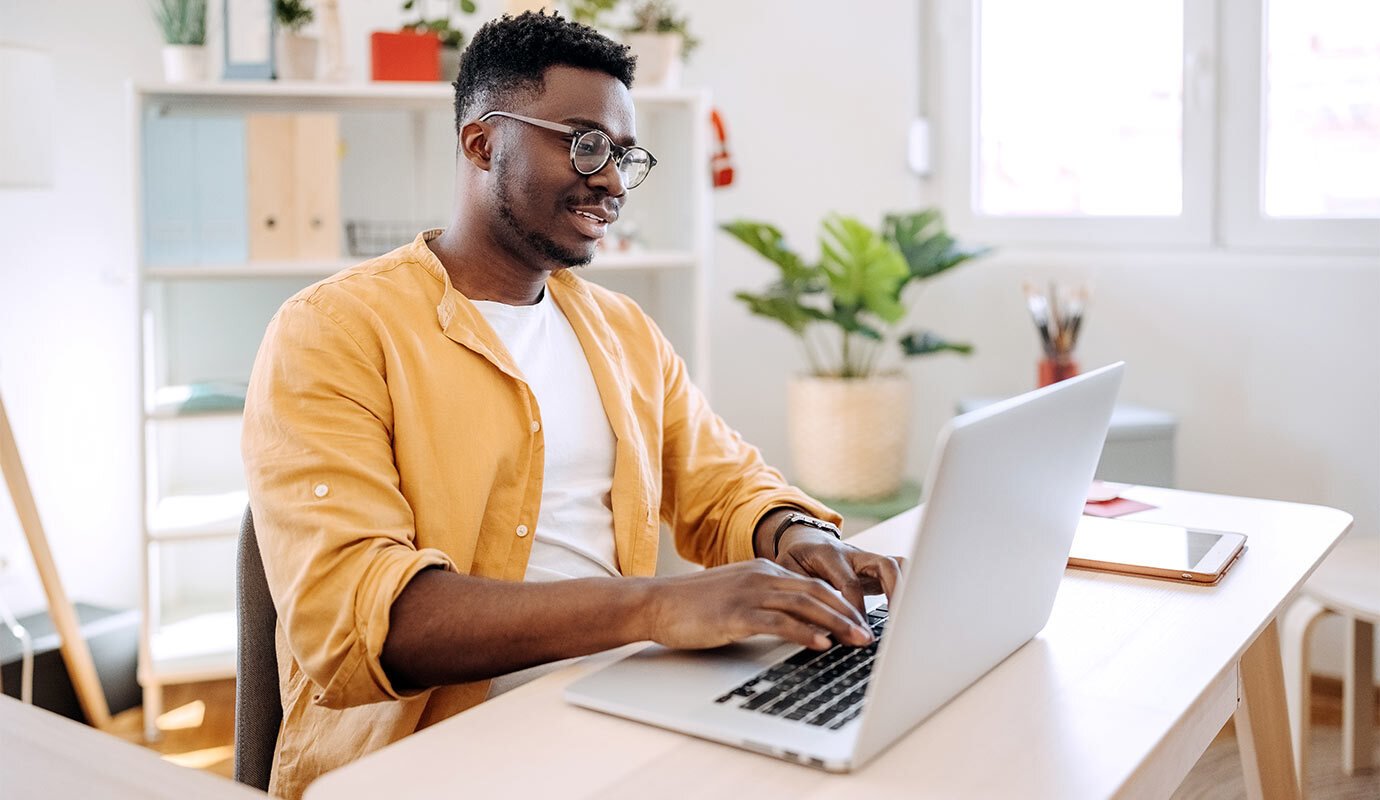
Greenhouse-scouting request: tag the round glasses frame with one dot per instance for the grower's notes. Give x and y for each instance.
(611, 149)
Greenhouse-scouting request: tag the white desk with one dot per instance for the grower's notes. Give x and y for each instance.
(1118, 696)
(44, 755)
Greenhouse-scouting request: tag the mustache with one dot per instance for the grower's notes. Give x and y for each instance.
(587, 200)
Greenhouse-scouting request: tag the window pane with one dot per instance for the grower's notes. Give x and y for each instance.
(1080, 108)
(1322, 108)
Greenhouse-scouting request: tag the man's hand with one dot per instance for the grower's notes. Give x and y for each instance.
(725, 604)
(855, 573)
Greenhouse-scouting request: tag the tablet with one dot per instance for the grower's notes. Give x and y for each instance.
(1155, 550)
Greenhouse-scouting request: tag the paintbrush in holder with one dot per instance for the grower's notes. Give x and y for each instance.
(1058, 315)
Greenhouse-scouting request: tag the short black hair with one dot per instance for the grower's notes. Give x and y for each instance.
(511, 54)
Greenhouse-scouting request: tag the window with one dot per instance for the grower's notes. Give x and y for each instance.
(1245, 123)
(1055, 137)
(1322, 109)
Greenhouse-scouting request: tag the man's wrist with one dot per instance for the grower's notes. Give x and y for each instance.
(797, 522)
(766, 529)
(641, 611)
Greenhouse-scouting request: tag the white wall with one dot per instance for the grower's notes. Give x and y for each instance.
(67, 328)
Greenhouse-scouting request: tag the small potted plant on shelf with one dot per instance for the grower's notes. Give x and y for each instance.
(450, 35)
(296, 56)
(183, 23)
(848, 417)
(661, 41)
(591, 12)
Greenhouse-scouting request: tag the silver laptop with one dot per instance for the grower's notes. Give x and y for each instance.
(1006, 488)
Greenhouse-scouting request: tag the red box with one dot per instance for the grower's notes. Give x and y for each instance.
(405, 56)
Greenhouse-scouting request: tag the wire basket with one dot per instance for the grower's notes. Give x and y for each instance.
(369, 238)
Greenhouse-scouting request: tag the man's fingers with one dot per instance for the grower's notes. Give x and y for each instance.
(819, 613)
(882, 572)
(779, 623)
(836, 569)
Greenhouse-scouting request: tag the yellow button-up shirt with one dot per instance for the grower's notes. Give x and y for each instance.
(387, 430)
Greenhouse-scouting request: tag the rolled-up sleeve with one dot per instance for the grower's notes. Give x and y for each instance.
(336, 533)
(715, 486)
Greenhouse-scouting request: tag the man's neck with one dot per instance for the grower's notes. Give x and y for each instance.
(482, 270)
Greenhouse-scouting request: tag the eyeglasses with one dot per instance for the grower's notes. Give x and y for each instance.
(590, 150)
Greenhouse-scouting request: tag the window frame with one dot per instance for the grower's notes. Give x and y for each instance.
(1223, 101)
(1244, 223)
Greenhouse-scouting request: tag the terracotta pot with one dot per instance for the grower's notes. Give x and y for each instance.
(296, 57)
(849, 436)
(404, 56)
(658, 58)
(184, 63)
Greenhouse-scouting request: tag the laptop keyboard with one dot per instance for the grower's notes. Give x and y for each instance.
(817, 688)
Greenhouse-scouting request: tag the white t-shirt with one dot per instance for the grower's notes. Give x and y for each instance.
(574, 535)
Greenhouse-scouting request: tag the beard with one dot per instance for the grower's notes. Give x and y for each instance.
(535, 241)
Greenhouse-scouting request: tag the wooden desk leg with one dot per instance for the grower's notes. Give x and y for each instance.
(1262, 722)
(1358, 697)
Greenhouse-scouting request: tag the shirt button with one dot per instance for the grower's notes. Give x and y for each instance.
(536, 426)
(321, 490)
(522, 530)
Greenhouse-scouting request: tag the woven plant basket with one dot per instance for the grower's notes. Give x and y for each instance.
(848, 436)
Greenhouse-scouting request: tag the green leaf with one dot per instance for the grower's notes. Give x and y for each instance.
(847, 318)
(468, 6)
(863, 269)
(769, 243)
(927, 248)
(783, 308)
(408, 5)
(920, 343)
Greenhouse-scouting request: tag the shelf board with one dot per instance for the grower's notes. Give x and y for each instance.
(250, 269)
(197, 648)
(166, 414)
(197, 516)
(643, 260)
(640, 260)
(229, 95)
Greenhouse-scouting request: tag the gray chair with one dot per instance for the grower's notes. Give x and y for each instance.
(258, 709)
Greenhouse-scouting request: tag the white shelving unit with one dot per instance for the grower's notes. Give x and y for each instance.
(210, 316)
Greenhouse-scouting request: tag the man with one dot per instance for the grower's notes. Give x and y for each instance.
(459, 453)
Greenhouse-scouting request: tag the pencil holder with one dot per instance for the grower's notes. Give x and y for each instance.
(1053, 370)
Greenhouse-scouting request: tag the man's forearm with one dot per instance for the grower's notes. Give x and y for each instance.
(446, 628)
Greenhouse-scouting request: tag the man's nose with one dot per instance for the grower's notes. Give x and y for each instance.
(609, 178)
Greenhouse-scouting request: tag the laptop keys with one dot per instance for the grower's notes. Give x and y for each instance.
(824, 689)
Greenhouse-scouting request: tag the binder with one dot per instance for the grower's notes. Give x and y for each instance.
(222, 228)
(317, 171)
(194, 202)
(170, 200)
(269, 140)
(294, 186)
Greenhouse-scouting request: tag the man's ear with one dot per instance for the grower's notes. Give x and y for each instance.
(476, 144)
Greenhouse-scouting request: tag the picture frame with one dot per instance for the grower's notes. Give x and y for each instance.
(249, 33)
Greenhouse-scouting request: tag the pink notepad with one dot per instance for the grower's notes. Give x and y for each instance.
(1116, 507)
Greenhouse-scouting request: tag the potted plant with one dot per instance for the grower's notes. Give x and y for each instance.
(451, 36)
(591, 12)
(183, 23)
(660, 40)
(296, 57)
(848, 417)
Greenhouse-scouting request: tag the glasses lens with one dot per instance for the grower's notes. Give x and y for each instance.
(591, 152)
(634, 167)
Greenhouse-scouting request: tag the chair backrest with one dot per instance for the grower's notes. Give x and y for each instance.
(258, 707)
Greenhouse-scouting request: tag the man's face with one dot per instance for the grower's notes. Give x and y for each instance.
(547, 212)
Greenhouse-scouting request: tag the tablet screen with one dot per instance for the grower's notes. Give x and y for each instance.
(1147, 544)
